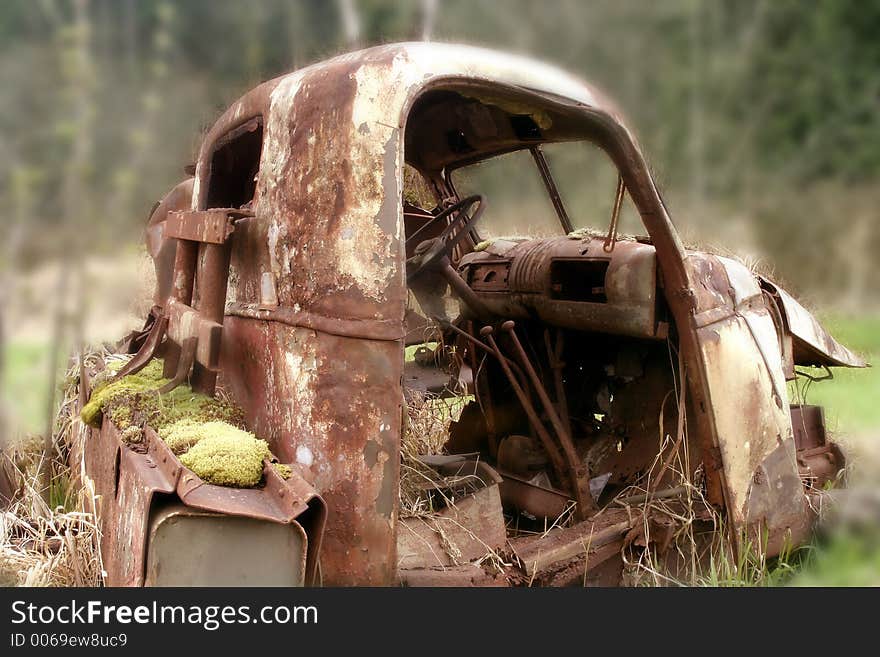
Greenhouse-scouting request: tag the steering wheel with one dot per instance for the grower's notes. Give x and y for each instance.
(430, 252)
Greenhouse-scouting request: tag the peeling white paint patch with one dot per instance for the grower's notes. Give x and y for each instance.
(194, 203)
(304, 456)
(268, 293)
(272, 239)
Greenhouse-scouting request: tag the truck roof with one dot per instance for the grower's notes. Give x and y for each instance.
(399, 71)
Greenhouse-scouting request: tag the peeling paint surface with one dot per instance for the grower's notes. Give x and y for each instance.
(748, 397)
(326, 414)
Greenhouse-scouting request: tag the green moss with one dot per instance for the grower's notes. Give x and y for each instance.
(133, 401)
(105, 393)
(121, 416)
(282, 469)
(133, 435)
(227, 456)
(206, 433)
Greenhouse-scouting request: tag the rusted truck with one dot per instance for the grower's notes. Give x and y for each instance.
(455, 198)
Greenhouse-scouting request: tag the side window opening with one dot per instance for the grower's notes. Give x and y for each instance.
(234, 167)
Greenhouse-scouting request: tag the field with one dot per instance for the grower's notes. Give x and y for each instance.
(852, 406)
(851, 399)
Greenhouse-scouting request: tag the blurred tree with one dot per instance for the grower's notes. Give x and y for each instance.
(759, 116)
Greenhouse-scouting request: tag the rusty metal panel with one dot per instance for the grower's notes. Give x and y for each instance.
(748, 402)
(126, 482)
(557, 547)
(163, 250)
(464, 531)
(536, 500)
(212, 226)
(458, 576)
(332, 405)
(186, 322)
(321, 261)
(526, 288)
(808, 423)
(198, 548)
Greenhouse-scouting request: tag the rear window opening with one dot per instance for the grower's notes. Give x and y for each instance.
(234, 167)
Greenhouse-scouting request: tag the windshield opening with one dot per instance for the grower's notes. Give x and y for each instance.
(519, 204)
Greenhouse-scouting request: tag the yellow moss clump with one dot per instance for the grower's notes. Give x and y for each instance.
(183, 434)
(133, 435)
(282, 469)
(205, 433)
(227, 456)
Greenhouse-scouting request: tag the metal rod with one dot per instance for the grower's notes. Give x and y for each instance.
(464, 292)
(554, 355)
(213, 274)
(552, 451)
(608, 247)
(181, 290)
(519, 373)
(667, 493)
(581, 482)
(552, 190)
(483, 395)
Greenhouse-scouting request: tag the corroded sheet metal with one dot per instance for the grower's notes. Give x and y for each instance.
(322, 259)
(160, 248)
(332, 405)
(748, 399)
(464, 575)
(527, 291)
(185, 322)
(813, 345)
(212, 226)
(464, 531)
(125, 483)
(559, 546)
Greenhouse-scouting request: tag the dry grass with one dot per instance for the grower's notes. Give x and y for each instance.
(703, 550)
(45, 546)
(426, 429)
(51, 541)
(699, 543)
(424, 491)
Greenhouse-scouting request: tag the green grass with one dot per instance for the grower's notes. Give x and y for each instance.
(25, 385)
(852, 414)
(852, 399)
